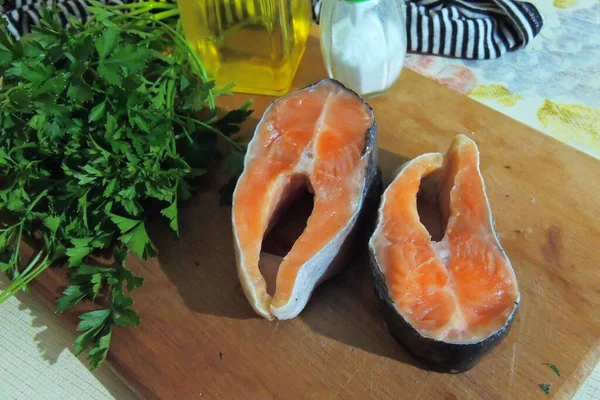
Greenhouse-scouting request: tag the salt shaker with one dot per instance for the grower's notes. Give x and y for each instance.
(363, 43)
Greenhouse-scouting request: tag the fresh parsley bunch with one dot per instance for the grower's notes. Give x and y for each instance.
(99, 127)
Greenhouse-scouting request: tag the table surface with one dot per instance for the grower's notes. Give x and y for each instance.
(561, 100)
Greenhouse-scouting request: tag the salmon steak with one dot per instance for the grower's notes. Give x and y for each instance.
(445, 286)
(318, 142)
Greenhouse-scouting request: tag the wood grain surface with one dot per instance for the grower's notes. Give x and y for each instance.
(200, 339)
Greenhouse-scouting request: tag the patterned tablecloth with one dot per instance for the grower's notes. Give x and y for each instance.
(553, 86)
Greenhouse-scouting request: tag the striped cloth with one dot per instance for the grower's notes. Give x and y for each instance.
(23, 14)
(470, 29)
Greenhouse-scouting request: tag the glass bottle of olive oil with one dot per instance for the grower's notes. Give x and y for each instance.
(255, 43)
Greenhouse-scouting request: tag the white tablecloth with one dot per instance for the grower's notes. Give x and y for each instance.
(36, 358)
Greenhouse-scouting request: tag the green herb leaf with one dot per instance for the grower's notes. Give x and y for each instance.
(98, 353)
(72, 295)
(111, 124)
(96, 282)
(36, 74)
(229, 123)
(97, 112)
(92, 319)
(83, 341)
(545, 387)
(137, 240)
(52, 222)
(554, 368)
(78, 254)
(171, 213)
(110, 72)
(233, 163)
(127, 317)
(5, 238)
(108, 41)
(198, 96)
(124, 224)
(79, 91)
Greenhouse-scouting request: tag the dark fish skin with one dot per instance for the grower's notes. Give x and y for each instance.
(363, 229)
(434, 355)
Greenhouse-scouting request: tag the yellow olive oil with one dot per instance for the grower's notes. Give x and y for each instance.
(257, 44)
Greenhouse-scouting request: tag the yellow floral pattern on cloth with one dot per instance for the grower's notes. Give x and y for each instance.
(498, 93)
(565, 3)
(553, 85)
(568, 123)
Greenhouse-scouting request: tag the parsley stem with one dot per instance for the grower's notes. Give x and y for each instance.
(166, 14)
(32, 263)
(211, 128)
(185, 132)
(37, 199)
(27, 276)
(144, 4)
(225, 90)
(134, 13)
(38, 270)
(11, 226)
(22, 282)
(18, 246)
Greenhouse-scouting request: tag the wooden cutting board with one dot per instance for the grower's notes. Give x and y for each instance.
(200, 339)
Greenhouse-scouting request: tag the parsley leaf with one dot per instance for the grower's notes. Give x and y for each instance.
(554, 368)
(171, 213)
(233, 163)
(545, 387)
(137, 240)
(98, 353)
(124, 224)
(108, 41)
(92, 319)
(103, 125)
(72, 295)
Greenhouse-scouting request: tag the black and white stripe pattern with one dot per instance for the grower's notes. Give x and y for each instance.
(23, 14)
(469, 29)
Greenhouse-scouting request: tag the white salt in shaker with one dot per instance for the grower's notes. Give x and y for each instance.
(363, 43)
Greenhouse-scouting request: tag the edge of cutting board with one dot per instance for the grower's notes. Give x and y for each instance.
(412, 91)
